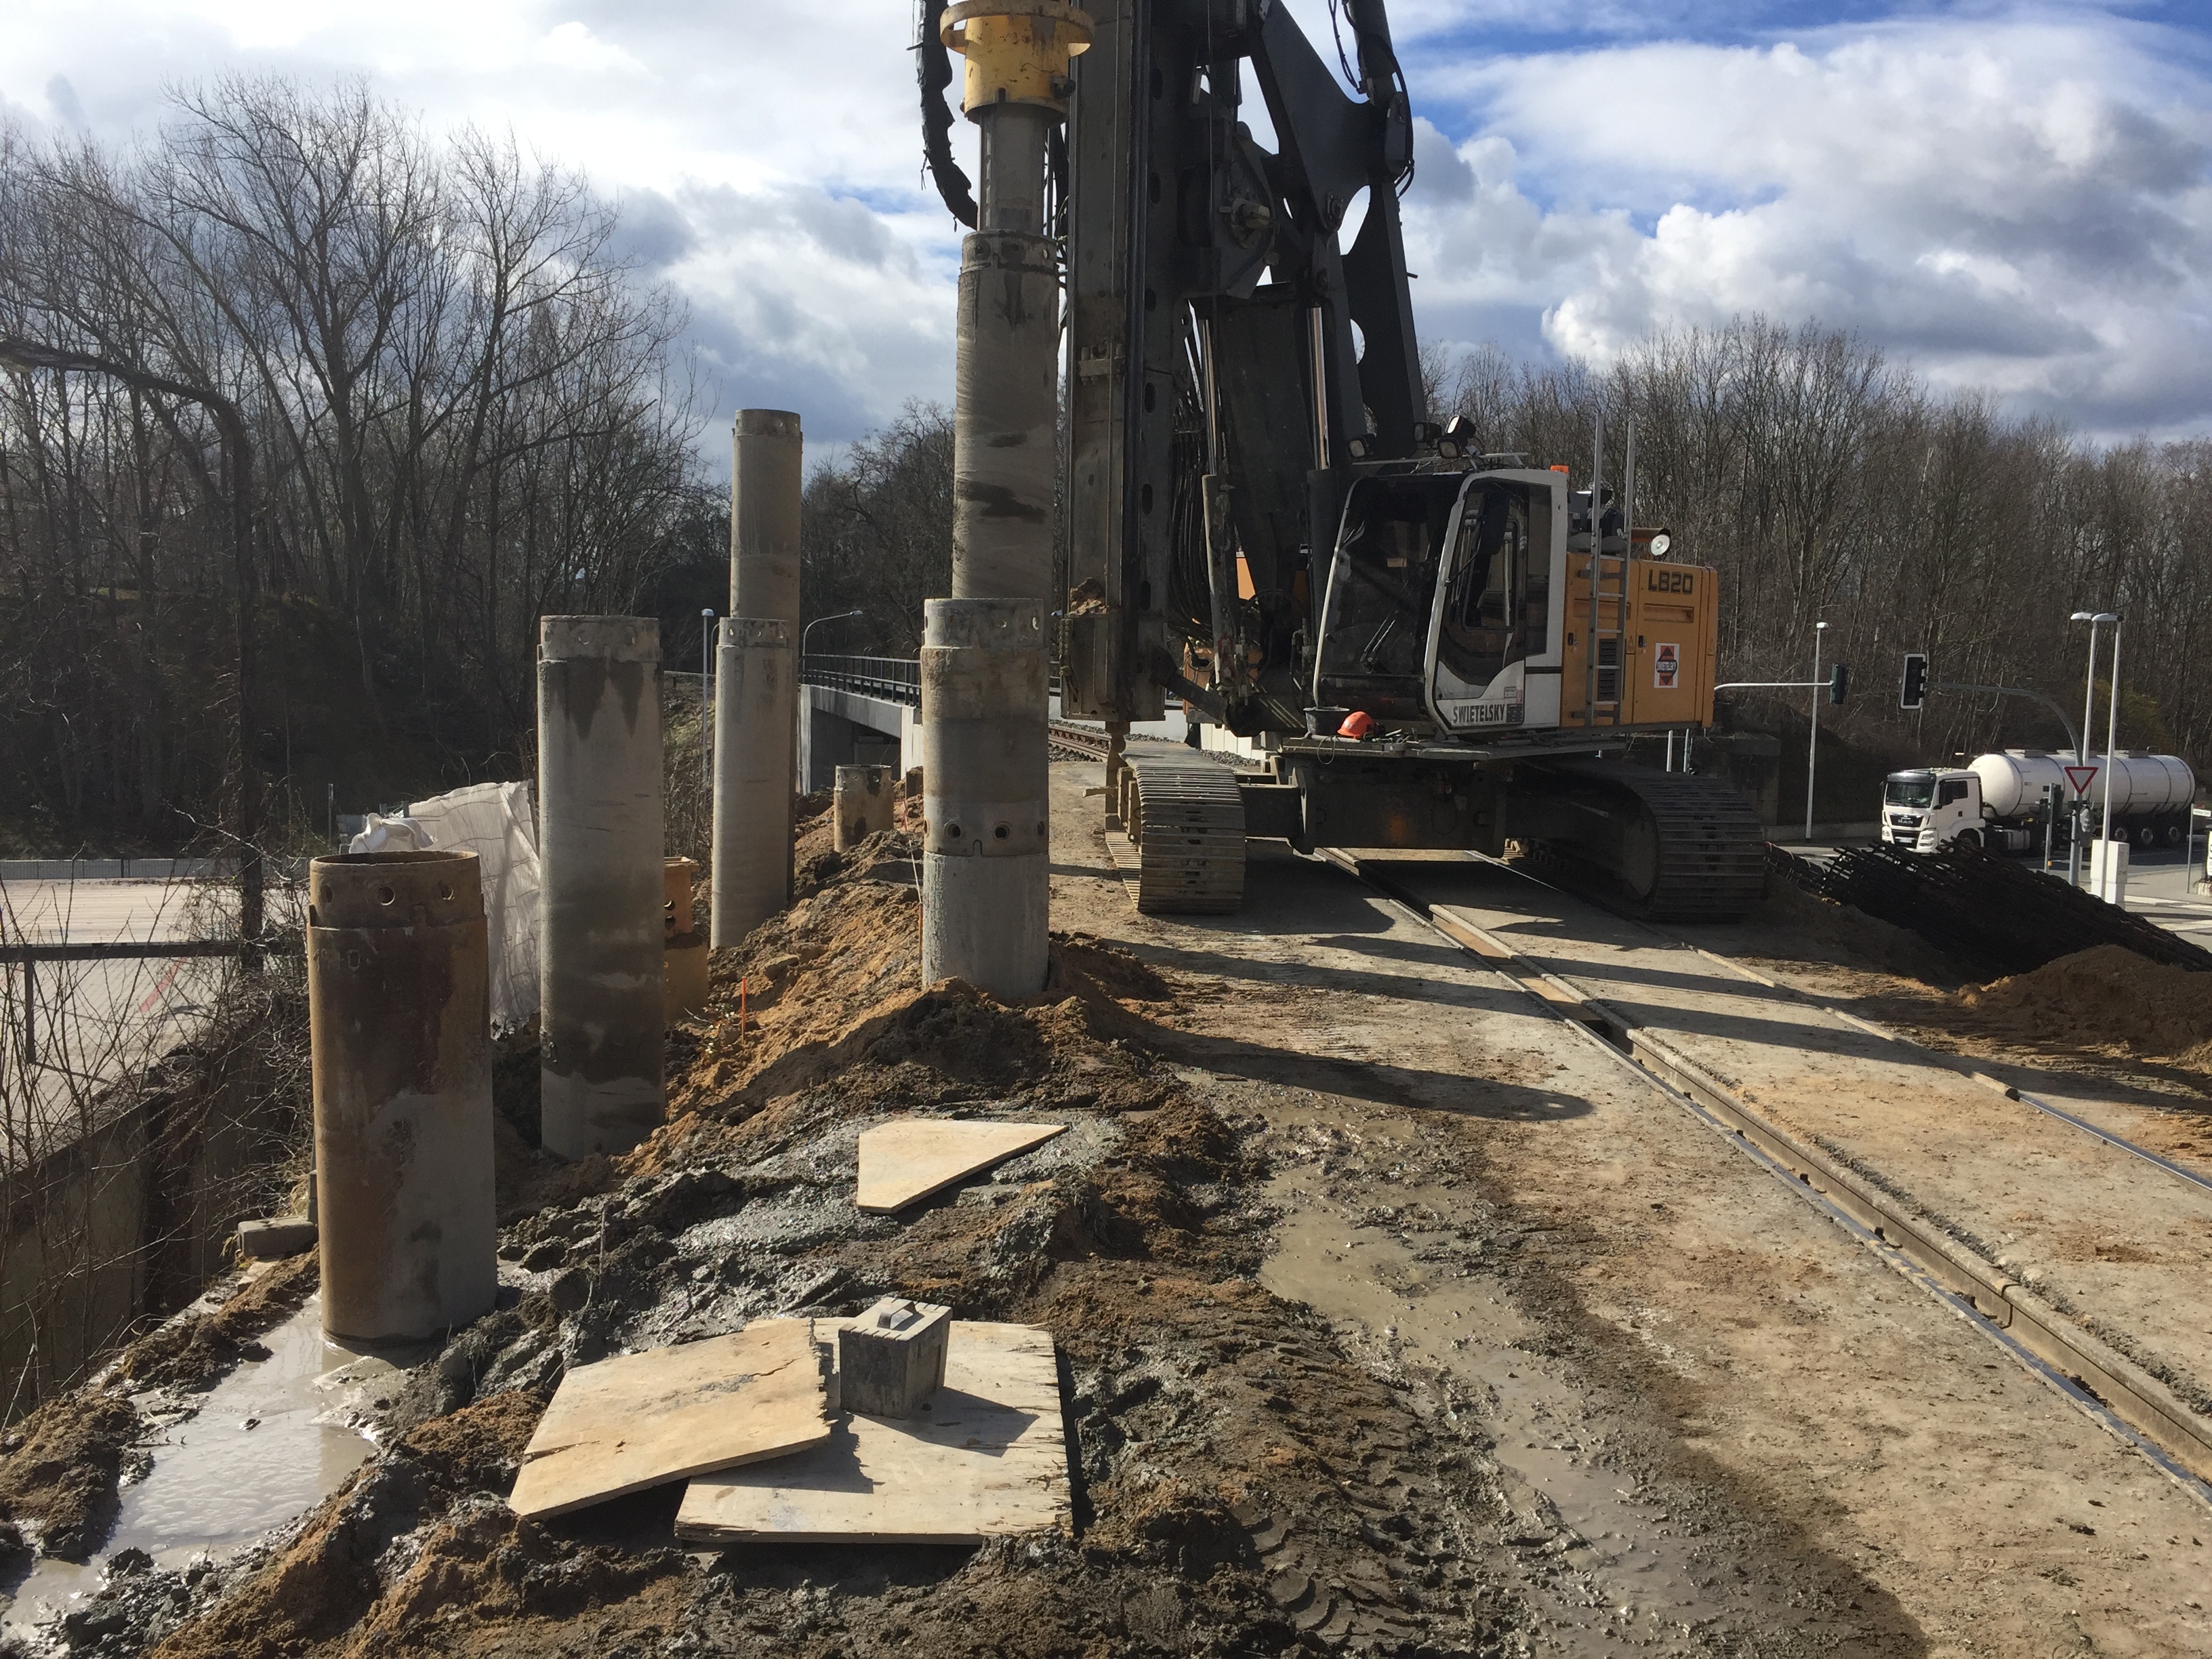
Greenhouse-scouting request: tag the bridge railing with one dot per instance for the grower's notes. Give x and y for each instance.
(897, 679)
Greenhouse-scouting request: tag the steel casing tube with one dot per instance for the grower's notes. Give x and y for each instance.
(398, 999)
(986, 880)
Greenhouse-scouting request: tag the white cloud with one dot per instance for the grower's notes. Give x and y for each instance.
(2018, 200)
(572, 45)
(2017, 203)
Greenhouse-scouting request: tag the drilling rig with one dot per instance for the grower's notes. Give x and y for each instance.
(1407, 645)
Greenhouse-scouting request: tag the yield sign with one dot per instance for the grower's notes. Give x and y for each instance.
(2080, 777)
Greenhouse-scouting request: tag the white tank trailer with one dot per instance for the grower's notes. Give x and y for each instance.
(1998, 801)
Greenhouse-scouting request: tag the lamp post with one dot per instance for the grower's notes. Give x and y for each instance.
(2111, 743)
(1813, 753)
(706, 700)
(842, 616)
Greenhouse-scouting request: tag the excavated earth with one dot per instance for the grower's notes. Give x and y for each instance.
(1391, 1321)
(1232, 1456)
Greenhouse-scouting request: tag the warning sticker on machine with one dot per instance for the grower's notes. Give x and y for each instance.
(1665, 665)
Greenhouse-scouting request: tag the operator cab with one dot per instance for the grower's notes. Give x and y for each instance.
(1925, 809)
(1439, 601)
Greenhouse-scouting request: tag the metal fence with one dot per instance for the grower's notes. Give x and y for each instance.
(897, 679)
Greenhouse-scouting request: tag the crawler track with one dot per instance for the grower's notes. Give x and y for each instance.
(1188, 821)
(1977, 1191)
(1695, 850)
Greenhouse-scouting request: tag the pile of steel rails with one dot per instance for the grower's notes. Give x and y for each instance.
(1983, 909)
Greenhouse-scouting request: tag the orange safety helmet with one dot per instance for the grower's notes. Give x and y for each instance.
(1357, 723)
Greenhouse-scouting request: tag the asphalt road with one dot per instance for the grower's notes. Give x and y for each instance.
(68, 1030)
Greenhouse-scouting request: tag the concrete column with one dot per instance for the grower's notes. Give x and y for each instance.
(767, 455)
(755, 669)
(400, 1018)
(864, 803)
(757, 695)
(600, 845)
(986, 885)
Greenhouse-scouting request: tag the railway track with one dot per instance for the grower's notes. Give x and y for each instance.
(2081, 1252)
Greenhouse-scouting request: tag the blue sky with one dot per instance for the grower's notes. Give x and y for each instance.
(2011, 198)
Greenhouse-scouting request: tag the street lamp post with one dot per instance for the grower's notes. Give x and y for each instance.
(842, 616)
(2111, 748)
(1813, 753)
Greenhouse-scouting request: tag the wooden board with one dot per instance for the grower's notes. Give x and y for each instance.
(638, 1420)
(903, 1162)
(988, 1457)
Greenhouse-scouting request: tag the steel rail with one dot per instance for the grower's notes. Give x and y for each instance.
(2147, 1416)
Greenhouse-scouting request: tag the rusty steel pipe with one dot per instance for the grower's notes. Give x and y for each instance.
(399, 1017)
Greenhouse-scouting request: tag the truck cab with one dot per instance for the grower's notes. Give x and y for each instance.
(1930, 807)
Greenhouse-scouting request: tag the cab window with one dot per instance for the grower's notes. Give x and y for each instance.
(1955, 789)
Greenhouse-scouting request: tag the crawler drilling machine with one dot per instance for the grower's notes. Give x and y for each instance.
(1414, 646)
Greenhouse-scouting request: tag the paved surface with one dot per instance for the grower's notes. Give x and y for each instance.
(67, 1029)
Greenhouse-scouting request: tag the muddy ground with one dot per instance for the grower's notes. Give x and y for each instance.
(1396, 1318)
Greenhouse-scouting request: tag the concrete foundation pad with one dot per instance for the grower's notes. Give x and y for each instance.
(274, 1238)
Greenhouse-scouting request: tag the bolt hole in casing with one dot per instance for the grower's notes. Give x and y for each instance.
(399, 999)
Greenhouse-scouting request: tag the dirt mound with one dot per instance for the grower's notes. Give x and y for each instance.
(2103, 998)
(1239, 1483)
(61, 1470)
(832, 989)
(1857, 936)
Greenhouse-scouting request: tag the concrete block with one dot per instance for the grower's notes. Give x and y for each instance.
(275, 1238)
(892, 1357)
(684, 978)
(864, 804)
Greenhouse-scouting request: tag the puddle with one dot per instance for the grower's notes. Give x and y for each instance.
(216, 1484)
(1569, 1510)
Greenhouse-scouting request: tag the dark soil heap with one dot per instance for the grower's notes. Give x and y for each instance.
(1239, 1486)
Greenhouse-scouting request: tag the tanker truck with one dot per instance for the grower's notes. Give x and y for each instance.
(1999, 800)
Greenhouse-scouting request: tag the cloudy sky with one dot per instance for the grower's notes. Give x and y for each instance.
(2010, 196)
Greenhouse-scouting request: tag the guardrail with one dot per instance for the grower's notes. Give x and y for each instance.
(897, 679)
(28, 957)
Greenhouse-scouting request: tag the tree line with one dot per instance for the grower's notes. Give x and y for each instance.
(449, 405)
(458, 409)
(1827, 483)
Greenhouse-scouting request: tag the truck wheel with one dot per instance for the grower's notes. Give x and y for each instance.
(2174, 833)
(1968, 838)
(2146, 837)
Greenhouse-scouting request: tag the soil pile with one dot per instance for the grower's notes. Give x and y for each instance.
(2106, 997)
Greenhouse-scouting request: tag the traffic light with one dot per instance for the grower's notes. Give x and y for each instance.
(1839, 682)
(1914, 692)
